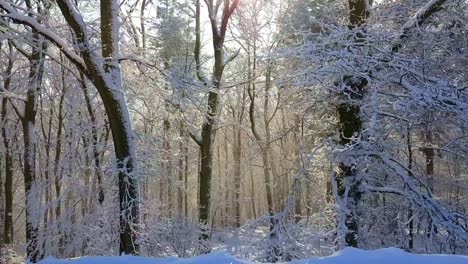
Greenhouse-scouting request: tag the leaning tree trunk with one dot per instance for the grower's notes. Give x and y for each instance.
(104, 72)
(110, 88)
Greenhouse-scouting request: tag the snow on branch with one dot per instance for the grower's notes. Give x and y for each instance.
(444, 100)
(47, 33)
(231, 58)
(10, 95)
(435, 210)
(417, 19)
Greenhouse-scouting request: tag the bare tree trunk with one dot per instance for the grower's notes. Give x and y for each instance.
(8, 213)
(85, 200)
(114, 102)
(28, 120)
(264, 149)
(297, 183)
(206, 170)
(252, 195)
(238, 116)
(208, 133)
(180, 174)
(94, 134)
(142, 25)
(410, 209)
(167, 161)
(227, 183)
(236, 153)
(29, 135)
(186, 174)
(429, 156)
(58, 146)
(47, 135)
(222, 192)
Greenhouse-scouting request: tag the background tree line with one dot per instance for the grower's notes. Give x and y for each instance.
(274, 129)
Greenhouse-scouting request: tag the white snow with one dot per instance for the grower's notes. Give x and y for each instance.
(345, 256)
(213, 258)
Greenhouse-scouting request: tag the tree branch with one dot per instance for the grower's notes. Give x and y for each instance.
(47, 33)
(416, 20)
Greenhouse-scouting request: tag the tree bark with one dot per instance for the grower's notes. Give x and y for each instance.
(410, 208)
(208, 133)
(8, 213)
(104, 72)
(236, 152)
(180, 174)
(47, 135)
(297, 183)
(94, 134)
(263, 144)
(28, 121)
(350, 125)
(110, 88)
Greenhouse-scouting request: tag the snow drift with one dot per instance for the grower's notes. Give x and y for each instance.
(346, 256)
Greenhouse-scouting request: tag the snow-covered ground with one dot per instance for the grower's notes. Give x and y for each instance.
(346, 256)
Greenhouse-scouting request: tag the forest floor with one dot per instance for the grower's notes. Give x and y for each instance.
(346, 256)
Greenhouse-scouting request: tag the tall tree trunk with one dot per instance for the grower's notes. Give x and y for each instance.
(28, 120)
(186, 174)
(264, 150)
(236, 153)
(350, 124)
(180, 174)
(167, 157)
(168, 162)
(206, 170)
(112, 95)
(87, 172)
(58, 146)
(94, 134)
(429, 153)
(208, 133)
(410, 209)
(252, 193)
(297, 183)
(8, 213)
(29, 135)
(57, 159)
(47, 135)
(227, 183)
(224, 195)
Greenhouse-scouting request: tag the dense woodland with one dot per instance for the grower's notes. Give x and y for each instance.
(273, 129)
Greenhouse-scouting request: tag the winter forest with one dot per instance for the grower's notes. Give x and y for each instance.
(273, 130)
